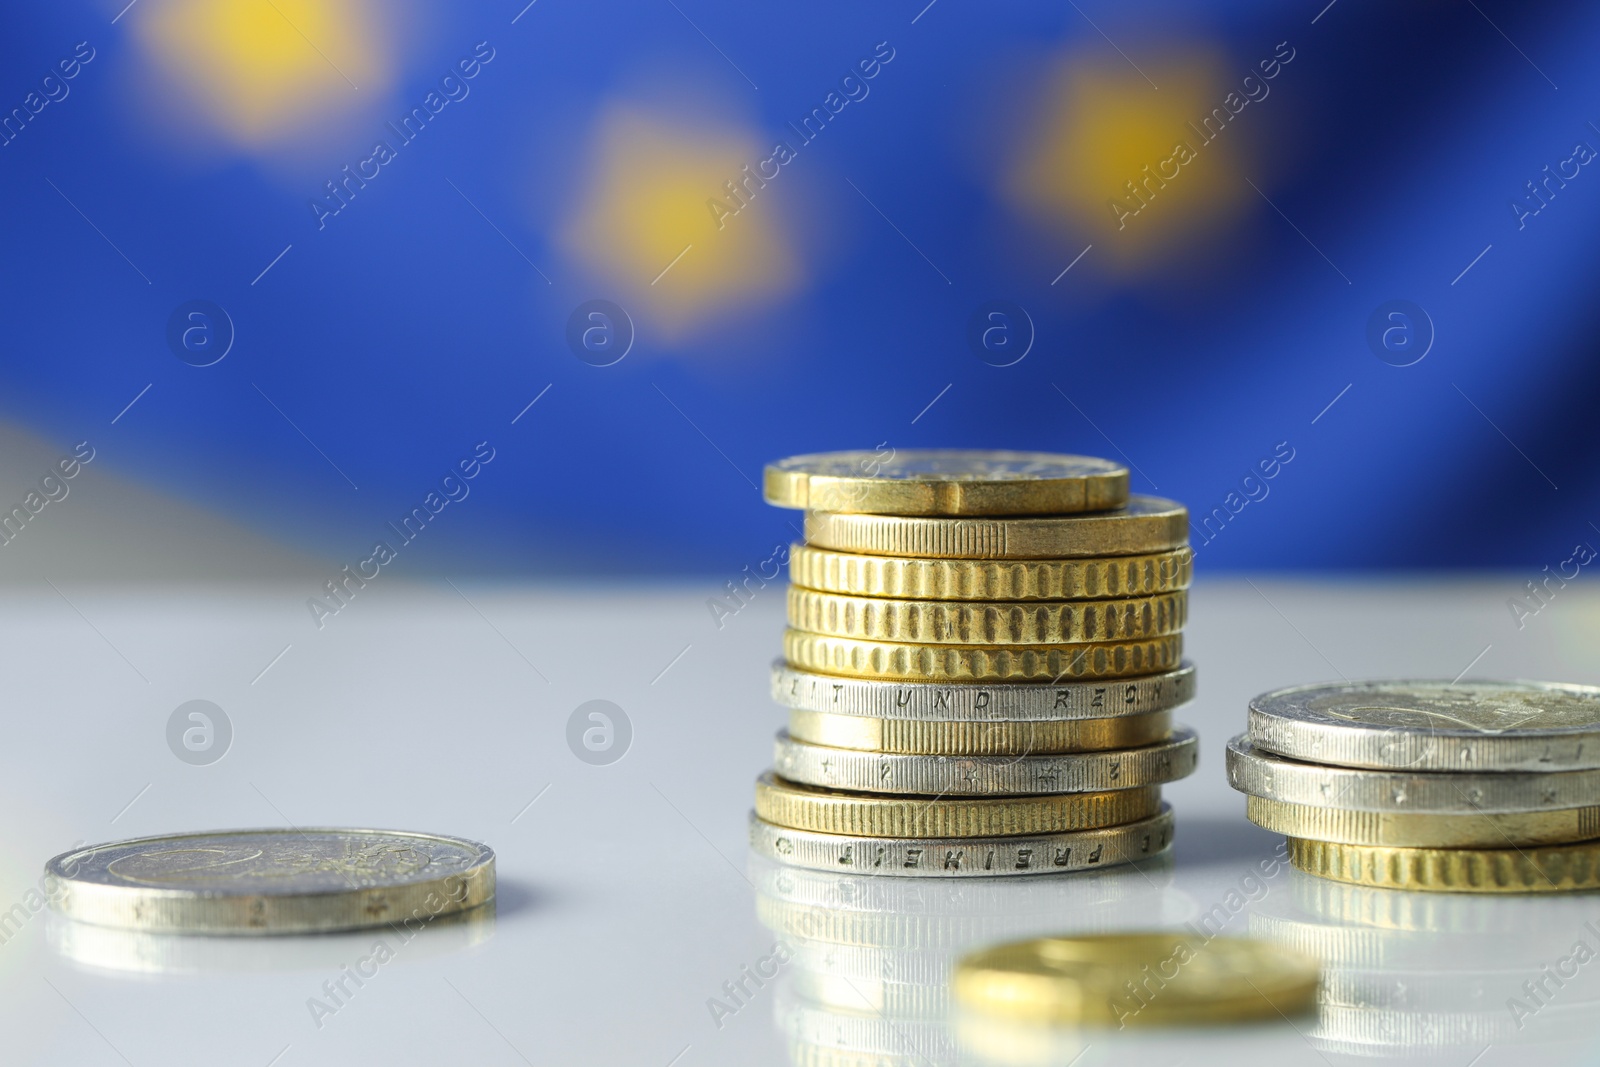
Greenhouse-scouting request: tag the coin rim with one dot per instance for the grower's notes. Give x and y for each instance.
(222, 912)
(1259, 773)
(995, 663)
(798, 806)
(1086, 772)
(763, 836)
(868, 618)
(1005, 701)
(1412, 829)
(1163, 525)
(1278, 725)
(1114, 732)
(934, 496)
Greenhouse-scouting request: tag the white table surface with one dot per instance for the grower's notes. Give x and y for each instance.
(627, 895)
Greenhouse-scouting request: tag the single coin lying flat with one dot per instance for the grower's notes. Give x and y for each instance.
(1136, 979)
(1433, 726)
(277, 881)
(947, 482)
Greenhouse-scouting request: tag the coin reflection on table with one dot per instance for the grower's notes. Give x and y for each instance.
(1439, 976)
(113, 948)
(867, 961)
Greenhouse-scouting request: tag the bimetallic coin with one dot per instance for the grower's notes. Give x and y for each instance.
(947, 482)
(964, 622)
(271, 881)
(978, 738)
(1414, 830)
(964, 857)
(901, 661)
(1260, 774)
(967, 579)
(1137, 979)
(1538, 869)
(829, 811)
(1147, 524)
(794, 688)
(1433, 726)
(1079, 772)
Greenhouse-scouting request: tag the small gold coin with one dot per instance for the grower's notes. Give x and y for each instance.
(1136, 979)
(1146, 525)
(965, 579)
(979, 663)
(1003, 738)
(963, 622)
(1418, 830)
(947, 482)
(826, 811)
(1546, 869)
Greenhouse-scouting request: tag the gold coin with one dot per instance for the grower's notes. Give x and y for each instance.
(947, 482)
(1418, 830)
(965, 622)
(979, 663)
(1137, 979)
(964, 579)
(1147, 524)
(1538, 869)
(827, 811)
(1002, 738)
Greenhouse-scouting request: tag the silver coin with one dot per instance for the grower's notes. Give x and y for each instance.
(1433, 726)
(1069, 772)
(1017, 702)
(271, 881)
(965, 857)
(1262, 774)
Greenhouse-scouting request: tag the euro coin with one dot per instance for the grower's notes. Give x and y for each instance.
(1414, 830)
(271, 881)
(1137, 979)
(1261, 774)
(964, 857)
(1433, 726)
(978, 738)
(836, 695)
(1075, 772)
(828, 811)
(947, 482)
(909, 662)
(1537, 869)
(1146, 525)
(968, 579)
(982, 622)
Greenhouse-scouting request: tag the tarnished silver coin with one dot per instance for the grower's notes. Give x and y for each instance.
(1433, 726)
(1259, 773)
(964, 857)
(1069, 772)
(1015, 702)
(946, 482)
(273, 881)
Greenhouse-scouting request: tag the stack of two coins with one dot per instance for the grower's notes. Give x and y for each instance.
(983, 656)
(1474, 787)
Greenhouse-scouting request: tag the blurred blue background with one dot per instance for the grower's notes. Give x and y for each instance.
(385, 296)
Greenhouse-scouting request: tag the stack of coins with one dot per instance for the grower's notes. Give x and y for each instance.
(1479, 787)
(983, 655)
